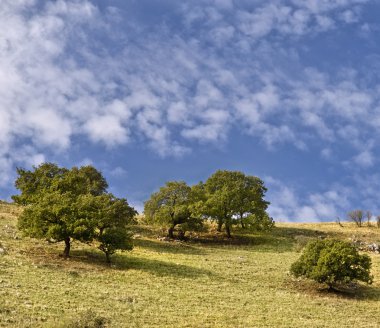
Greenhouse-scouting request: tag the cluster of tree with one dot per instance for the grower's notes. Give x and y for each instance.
(359, 216)
(227, 197)
(64, 204)
(333, 262)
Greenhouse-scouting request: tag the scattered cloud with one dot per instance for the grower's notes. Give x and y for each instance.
(107, 129)
(365, 159)
(118, 172)
(70, 69)
(287, 204)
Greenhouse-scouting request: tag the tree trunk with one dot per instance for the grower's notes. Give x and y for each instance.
(66, 252)
(332, 288)
(108, 257)
(228, 230)
(242, 221)
(181, 235)
(171, 232)
(220, 223)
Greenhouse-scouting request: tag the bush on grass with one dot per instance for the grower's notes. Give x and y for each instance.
(333, 262)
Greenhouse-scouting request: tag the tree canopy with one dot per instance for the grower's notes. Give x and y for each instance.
(332, 262)
(110, 217)
(232, 196)
(48, 177)
(171, 206)
(63, 204)
(228, 197)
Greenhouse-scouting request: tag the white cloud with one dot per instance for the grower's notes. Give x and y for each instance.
(118, 172)
(224, 4)
(107, 129)
(365, 159)
(206, 132)
(323, 6)
(299, 19)
(222, 34)
(63, 75)
(29, 156)
(349, 16)
(286, 204)
(178, 113)
(46, 127)
(326, 153)
(6, 165)
(84, 87)
(85, 162)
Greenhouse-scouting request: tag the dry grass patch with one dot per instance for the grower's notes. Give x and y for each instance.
(202, 283)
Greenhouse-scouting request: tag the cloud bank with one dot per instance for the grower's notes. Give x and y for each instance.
(204, 70)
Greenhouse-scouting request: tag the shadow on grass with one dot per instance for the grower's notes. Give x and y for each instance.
(172, 247)
(204, 240)
(161, 268)
(260, 242)
(280, 239)
(355, 292)
(83, 260)
(361, 292)
(288, 232)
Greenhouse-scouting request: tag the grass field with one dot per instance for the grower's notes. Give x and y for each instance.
(206, 283)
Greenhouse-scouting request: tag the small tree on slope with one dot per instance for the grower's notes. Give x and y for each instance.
(110, 217)
(332, 262)
(172, 206)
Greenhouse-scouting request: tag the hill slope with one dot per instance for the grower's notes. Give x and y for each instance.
(168, 284)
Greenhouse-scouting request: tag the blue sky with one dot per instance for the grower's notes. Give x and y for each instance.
(151, 91)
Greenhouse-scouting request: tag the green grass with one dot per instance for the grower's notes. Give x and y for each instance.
(211, 282)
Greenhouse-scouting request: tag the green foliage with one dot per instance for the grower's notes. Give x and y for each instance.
(34, 183)
(227, 197)
(172, 206)
(262, 222)
(332, 262)
(115, 238)
(48, 177)
(232, 196)
(62, 204)
(81, 181)
(110, 217)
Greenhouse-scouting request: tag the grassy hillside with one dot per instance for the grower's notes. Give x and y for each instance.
(244, 283)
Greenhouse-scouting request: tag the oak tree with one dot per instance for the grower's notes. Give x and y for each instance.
(63, 204)
(231, 196)
(171, 206)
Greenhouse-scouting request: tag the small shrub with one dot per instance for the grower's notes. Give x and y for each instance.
(338, 222)
(356, 216)
(332, 262)
(368, 215)
(88, 319)
(258, 222)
